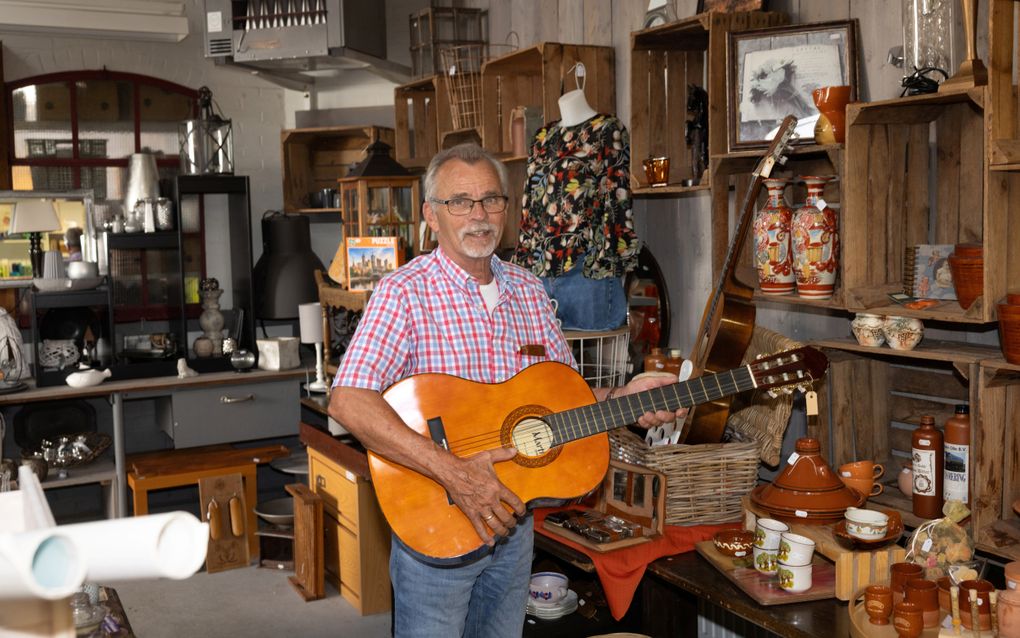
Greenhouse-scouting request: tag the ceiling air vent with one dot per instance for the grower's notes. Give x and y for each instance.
(219, 46)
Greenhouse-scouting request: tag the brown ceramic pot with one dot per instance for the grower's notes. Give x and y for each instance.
(899, 574)
(968, 264)
(945, 597)
(908, 620)
(925, 594)
(1009, 331)
(983, 588)
(734, 542)
(1009, 614)
(1012, 573)
(878, 604)
(831, 102)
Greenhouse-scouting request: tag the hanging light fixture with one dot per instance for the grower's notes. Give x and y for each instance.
(206, 144)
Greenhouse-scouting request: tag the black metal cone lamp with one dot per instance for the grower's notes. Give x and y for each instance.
(284, 274)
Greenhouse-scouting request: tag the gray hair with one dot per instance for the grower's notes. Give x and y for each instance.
(469, 153)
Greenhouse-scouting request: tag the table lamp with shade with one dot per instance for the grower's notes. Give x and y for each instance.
(34, 216)
(310, 320)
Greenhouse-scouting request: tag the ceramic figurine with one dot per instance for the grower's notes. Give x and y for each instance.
(867, 329)
(183, 371)
(772, 249)
(211, 319)
(87, 377)
(815, 243)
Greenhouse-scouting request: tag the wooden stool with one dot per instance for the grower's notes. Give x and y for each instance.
(176, 468)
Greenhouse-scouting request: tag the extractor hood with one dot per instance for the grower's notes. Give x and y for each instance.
(295, 42)
(162, 20)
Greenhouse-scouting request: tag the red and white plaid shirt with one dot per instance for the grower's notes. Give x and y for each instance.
(429, 316)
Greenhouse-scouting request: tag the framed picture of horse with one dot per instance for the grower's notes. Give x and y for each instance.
(772, 73)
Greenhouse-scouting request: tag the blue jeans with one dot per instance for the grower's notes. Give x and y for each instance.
(587, 304)
(485, 598)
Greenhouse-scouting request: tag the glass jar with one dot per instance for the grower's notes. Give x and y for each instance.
(928, 36)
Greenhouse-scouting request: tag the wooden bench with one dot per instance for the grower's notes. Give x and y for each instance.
(177, 468)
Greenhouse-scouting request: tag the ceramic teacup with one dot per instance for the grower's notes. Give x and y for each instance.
(794, 578)
(908, 620)
(861, 470)
(878, 604)
(867, 487)
(767, 532)
(925, 594)
(867, 525)
(899, 574)
(795, 550)
(548, 587)
(765, 560)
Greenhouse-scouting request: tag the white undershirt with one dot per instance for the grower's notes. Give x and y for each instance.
(490, 294)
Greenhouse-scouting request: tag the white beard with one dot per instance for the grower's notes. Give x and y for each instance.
(470, 244)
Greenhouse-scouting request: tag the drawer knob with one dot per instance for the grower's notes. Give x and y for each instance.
(320, 481)
(226, 399)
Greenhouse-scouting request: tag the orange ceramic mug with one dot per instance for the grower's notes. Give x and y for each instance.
(867, 487)
(861, 470)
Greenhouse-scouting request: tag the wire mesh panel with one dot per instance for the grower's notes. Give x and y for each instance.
(602, 357)
(462, 72)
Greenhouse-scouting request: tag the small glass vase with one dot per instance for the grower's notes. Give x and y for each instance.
(815, 244)
(773, 257)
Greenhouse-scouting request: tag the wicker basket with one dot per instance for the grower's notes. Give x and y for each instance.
(704, 483)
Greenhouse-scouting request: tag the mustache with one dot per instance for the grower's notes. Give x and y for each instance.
(479, 228)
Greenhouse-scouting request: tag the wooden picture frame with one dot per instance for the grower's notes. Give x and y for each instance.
(772, 72)
(730, 6)
(369, 259)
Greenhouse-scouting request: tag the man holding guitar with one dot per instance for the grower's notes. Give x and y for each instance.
(458, 311)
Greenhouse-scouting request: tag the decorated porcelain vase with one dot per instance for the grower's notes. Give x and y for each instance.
(868, 329)
(772, 250)
(903, 333)
(815, 244)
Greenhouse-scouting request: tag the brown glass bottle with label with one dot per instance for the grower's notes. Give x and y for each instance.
(956, 484)
(928, 451)
(655, 361)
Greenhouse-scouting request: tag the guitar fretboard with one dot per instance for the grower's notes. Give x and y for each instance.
(603, 416)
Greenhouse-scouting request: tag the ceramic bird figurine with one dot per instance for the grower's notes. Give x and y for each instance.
(183, 371)
(86, 377)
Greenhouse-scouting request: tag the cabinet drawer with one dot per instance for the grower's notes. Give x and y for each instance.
(338, 489)
(226, 414)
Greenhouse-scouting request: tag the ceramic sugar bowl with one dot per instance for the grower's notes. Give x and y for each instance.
(902, 333)
(867, 329)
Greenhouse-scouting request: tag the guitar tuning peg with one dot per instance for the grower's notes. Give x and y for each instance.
(772, 393)
(782, 159)
(759, 357)
(787, 389)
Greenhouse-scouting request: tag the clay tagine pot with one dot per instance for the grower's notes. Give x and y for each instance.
(807, 489)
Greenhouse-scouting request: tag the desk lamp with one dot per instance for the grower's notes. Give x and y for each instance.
(34, 216)
(310, 319)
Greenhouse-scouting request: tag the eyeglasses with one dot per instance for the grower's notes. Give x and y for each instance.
(460, 206)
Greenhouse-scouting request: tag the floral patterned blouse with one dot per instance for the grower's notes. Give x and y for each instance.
(577, 201)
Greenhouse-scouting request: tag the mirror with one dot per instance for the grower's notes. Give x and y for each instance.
(75, 210)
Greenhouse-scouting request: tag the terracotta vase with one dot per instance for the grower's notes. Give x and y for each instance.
(831, 102)
(1009, 328)
(772, 247)
(968, 263)
(815, 244)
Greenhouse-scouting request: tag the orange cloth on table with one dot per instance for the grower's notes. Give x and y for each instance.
(621, 570)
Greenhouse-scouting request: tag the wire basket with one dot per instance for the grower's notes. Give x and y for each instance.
(602, 357)
(462, 73)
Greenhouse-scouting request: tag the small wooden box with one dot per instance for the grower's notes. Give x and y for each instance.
(634, 493)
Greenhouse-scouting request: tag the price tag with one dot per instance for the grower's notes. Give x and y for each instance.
(350, 476)
(924, 443)
(821, 204)
(793, 458)
(214, 21)
(801, 514)
(926, 545)
(811, 403)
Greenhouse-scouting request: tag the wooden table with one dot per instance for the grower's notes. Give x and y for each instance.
(673, 586)
(118, 391)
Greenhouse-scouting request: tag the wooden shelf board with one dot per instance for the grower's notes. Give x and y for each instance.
(1001, 538)
(102, 470)
(422, 84)
(518, 60)
(1000, 364)
(947, 311)
(833, 302)
(929, 349)
(802, 149)
(911, 110)
(314, 211)
(670, 189)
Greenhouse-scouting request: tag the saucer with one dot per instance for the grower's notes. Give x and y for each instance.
(892, 534)
(552, 611)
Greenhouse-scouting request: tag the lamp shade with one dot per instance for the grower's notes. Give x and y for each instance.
(310, 320)
(284, 275)
(34, 216)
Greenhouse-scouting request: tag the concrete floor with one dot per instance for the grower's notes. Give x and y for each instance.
(249, 602)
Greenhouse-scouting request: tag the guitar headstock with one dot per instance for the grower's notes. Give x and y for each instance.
(789, 370)
(779, 144)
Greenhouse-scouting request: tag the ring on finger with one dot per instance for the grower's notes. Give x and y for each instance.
(489, 517)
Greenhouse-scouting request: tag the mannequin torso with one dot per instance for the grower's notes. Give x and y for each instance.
(574, 108)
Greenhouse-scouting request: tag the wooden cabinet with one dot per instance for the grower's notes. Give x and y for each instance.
(357, 539)
(315, 158)
(665, 61)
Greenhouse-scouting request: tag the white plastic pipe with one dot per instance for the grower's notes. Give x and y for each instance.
(39, 564)
(171, 545)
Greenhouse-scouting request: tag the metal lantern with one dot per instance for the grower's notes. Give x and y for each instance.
(206, 144)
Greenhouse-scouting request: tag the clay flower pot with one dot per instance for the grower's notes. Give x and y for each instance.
(831, 102)
(968, 265)
(1009, 328)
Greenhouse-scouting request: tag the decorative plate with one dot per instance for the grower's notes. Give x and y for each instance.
(892, 534)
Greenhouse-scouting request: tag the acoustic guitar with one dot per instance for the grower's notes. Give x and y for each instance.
(728, 320)
(549, 414)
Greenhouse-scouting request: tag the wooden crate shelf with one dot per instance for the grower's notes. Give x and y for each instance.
(314, 158)
(873, 398)
(533, 76)
(889, 204)
(664, 61)
(422, 119)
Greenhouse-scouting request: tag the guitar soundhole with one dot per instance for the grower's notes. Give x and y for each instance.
(525, 430)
